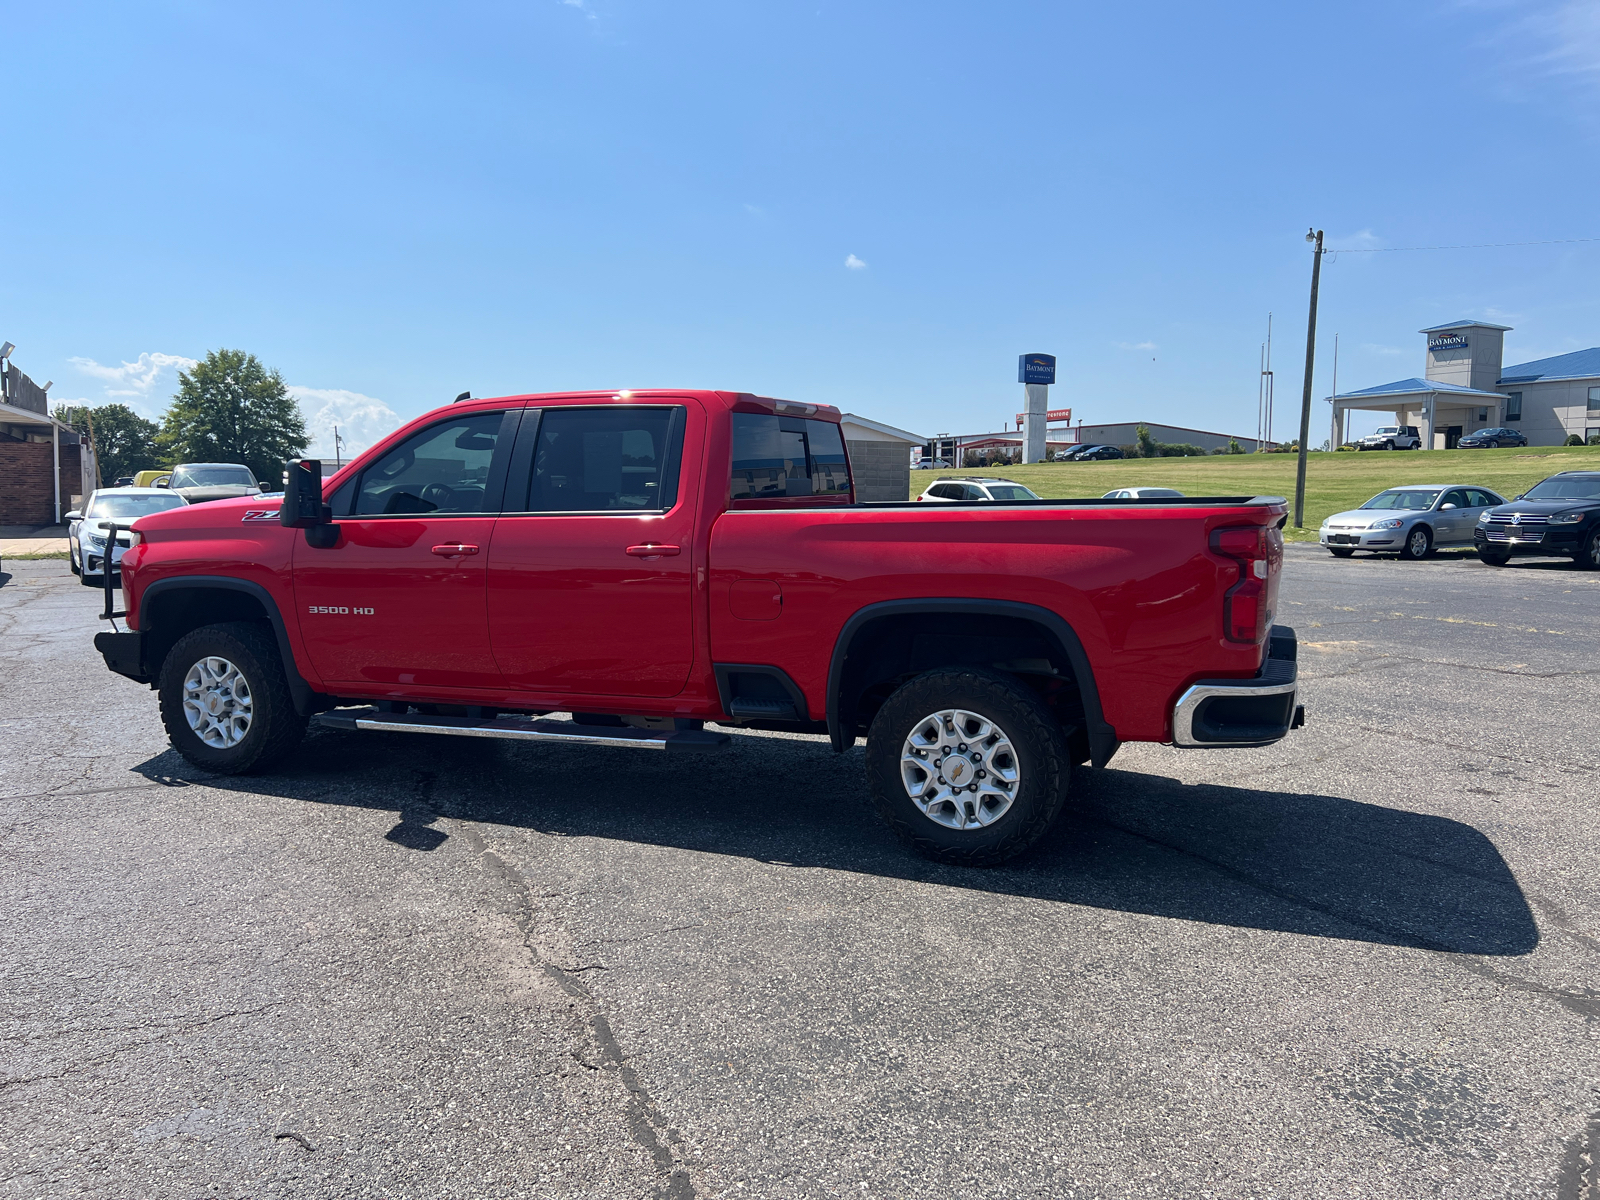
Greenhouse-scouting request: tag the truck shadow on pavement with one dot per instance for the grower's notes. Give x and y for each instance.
(1129, 842)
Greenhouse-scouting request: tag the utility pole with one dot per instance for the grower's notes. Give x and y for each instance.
(1305, 398)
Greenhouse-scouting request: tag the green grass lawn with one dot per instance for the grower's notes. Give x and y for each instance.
(1334, 482)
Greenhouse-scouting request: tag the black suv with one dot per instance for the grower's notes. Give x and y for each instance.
(1556, 516)
(1482, 439)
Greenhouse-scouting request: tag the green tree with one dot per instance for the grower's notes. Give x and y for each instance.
(1147, 444)
(230, 408)
(124, 442)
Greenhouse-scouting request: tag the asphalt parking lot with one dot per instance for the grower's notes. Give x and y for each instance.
(1364, 962)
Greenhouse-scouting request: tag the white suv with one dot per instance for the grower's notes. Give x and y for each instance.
(1392, 437)
(977, 489)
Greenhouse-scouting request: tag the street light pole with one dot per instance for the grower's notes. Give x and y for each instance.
(1305, 398)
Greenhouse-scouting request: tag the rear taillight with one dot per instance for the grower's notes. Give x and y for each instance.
(1247, 605)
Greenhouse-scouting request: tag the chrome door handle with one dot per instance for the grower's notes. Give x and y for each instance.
(653, 551)
(455, 550)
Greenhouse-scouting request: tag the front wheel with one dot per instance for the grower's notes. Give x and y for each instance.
(1493, 558)
(1419, 543)
(1588, 559)
(225, 699)
(1340, 552)
(1388, 445)
(967, 765)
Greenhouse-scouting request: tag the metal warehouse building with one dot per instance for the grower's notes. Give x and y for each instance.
(1465, 388)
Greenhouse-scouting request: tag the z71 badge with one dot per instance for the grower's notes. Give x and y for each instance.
(259, 514)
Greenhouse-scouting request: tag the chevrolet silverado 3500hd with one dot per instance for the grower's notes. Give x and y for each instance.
(653, 561)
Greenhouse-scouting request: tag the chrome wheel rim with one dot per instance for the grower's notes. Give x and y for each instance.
(1419, 543)
(217, 703)
(960, 769)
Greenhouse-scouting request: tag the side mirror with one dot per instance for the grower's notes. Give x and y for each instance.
(164, 482)
(1519, 496)
(302, 495)
(1442, 507)
(74, 515)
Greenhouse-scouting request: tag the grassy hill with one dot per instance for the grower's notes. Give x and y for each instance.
(1334, 482)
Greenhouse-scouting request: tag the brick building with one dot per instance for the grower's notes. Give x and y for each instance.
(880, 458)
(43, 469)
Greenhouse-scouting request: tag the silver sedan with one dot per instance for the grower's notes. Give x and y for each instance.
(1411, 521)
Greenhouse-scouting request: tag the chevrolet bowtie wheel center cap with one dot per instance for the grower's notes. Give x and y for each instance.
(217, 703)
(960, 769)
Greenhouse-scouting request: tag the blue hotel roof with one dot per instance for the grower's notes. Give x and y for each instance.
(1401, 387)
(1577, 365)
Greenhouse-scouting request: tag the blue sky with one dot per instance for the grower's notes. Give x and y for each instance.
(877, 206)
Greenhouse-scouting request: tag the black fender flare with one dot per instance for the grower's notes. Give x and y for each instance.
(1102, 737)
(305, 696)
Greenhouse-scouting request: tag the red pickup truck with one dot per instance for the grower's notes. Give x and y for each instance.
(650, 562)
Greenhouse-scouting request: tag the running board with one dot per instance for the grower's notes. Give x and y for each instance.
(526, 729)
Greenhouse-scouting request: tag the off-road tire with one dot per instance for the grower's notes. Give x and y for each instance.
(1388, 445)
(1341, 551)
(1043, 758)
(1493, 558)
(1409, 549)
(275, 727)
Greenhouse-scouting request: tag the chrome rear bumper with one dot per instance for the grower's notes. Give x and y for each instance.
(1215, 713)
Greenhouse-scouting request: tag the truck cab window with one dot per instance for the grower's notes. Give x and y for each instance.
(612, 459)
(784, 458)
(442, 469)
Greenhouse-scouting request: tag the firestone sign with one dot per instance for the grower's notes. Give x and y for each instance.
(1036, 368)
(1449, 341)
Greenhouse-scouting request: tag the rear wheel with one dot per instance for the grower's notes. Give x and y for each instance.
(1419, 543)
(967, 766)
(225, 699)
(1494, 558)
(1340, 551)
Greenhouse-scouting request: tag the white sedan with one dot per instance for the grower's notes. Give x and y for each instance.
(86, 535)
(1141, 493)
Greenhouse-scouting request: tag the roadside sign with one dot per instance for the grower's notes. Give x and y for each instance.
(1054, 414)
(1036, 368)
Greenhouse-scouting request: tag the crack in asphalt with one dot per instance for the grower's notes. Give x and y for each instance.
(107, 1056)
(645, 1122)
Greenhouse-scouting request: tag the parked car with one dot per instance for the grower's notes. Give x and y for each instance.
(151, 478)
(1558, 516)
(199, 483)
(1392, 437)
(977, 489)
(86, 530)
(1482, 439)
(1097, 454)
(1412, 521)
(931, 464)
(638, 577)
(1140, 493)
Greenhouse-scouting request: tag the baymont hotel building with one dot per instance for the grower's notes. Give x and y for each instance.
(1464, 387)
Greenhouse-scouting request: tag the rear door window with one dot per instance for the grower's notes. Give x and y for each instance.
(615, 458)
(785, 458)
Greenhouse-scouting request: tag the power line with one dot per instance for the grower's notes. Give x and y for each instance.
(1478, 246)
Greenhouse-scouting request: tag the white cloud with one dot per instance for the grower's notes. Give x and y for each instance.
(362, 420)
(1375, 348)
(1136, 346)
(1362, 240)
(134, 378)
(581, 5)
(853, 263)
